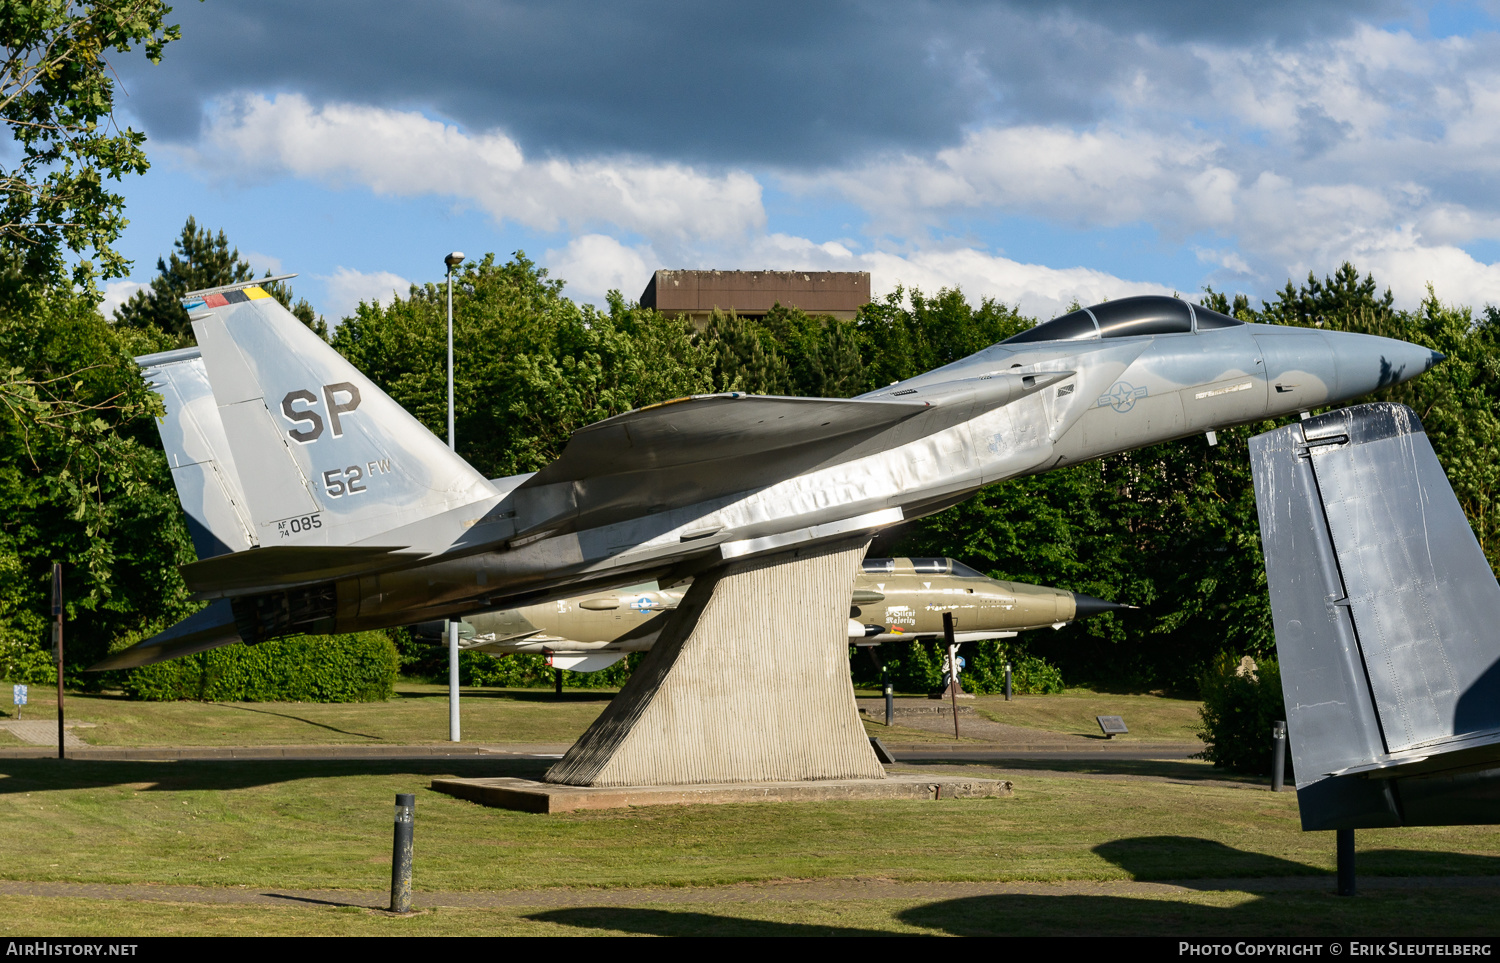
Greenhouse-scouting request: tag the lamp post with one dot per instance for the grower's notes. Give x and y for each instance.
(452, 260)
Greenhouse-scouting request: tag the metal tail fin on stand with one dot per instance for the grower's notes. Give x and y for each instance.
(325, 457)
(1387, 620)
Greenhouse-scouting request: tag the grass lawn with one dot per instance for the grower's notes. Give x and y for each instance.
(1450, 913)
(281, 824)
(1149, 717)
(326, 824)
(418, 714)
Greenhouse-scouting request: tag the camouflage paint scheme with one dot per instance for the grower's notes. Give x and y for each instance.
(894, 600)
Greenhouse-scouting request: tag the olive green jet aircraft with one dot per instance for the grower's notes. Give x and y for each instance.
(895, 599)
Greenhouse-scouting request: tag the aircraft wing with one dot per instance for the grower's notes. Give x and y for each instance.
(709, 446)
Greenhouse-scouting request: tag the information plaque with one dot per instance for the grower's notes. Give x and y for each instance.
(1112, 726)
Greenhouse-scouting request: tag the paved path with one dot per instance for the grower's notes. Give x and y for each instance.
(44, 732)
(837, 890)
(960, 752)
(168, 753)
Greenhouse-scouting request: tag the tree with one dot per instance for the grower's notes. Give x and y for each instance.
(57, 96)
(745, 356)
(531, 366)
(200, 260)
(83, 482)
(907, 333)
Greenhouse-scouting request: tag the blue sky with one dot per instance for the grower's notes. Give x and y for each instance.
(1032, 152)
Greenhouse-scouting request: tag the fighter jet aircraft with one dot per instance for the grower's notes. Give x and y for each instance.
(895, 600)
(322, 506)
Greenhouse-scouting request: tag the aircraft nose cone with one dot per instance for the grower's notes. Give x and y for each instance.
(1086, 605)
(1367, 363)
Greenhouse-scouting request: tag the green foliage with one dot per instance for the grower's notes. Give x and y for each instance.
(531, 366)
(917, 666)
(424, 659)
(57, 96)
(304, 668)
(83, 483)
(1241, 701)
(527, 671)
(908, 333)
(200, 260)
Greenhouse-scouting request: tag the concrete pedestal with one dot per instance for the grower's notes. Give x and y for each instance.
(527, 796)
(748, 683)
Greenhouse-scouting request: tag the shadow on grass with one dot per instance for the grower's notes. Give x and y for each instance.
(185, 775)
(1094, 766)
(316, 902)
(287, 715)
(520, 695)
(1180, 858)
(1405, 910)
(1404, 913)
(655, 922)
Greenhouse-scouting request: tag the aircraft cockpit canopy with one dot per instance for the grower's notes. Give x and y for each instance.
(1127, 317)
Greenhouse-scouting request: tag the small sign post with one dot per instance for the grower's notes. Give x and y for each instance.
(18, 695)
(1112, 726)
(57, 644)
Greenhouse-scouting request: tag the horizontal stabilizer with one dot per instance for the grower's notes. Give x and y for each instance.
(208, 629)
(1385, 613)
(286, 566)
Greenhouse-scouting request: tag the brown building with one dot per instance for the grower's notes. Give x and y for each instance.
(753, 293)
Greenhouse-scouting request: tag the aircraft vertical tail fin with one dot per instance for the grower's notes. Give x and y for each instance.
(324, 456)
(1387, 620)
(203, 469)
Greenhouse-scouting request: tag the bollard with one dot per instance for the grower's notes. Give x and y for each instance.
(1007, 682)
(406, 811)
(952, 667)
(1278, 755)
(890, 692)
(1345, 845)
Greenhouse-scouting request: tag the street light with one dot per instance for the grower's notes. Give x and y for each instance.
(452, 260)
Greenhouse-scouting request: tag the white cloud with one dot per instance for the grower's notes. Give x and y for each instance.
(1380, 147)
(261, 263)
(406, 153)
(1267, 161)
(594, 264)
(345, 288)
(1092, 177)
(117, 293)
(1035, 289)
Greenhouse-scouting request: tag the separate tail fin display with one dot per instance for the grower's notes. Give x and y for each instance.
(198, 453)
(325, 457)
(1387, 621)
